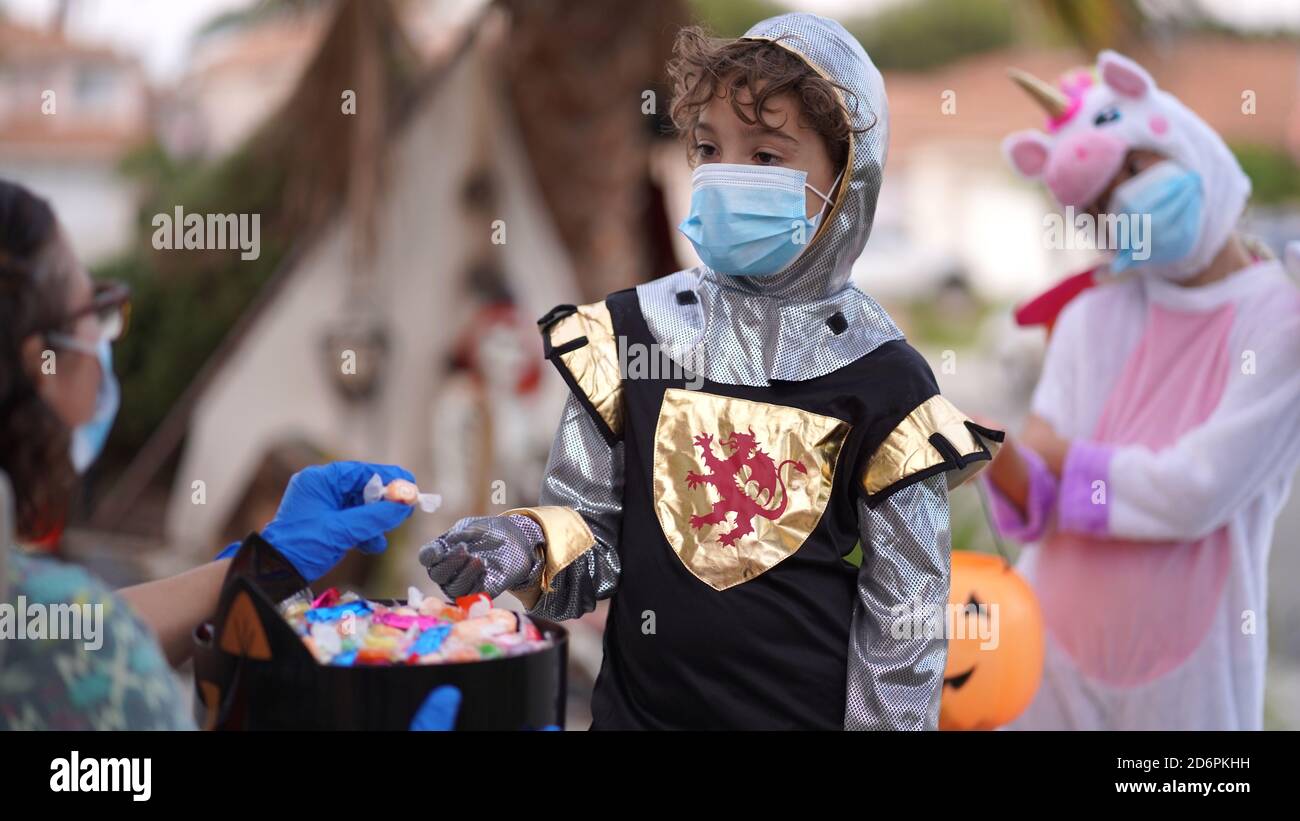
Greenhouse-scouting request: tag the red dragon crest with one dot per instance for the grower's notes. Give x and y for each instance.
(747, 465)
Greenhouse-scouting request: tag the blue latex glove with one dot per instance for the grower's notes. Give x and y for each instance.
(322, 516)
(438, 712)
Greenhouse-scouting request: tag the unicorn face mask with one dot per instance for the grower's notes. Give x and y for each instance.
(749, 220)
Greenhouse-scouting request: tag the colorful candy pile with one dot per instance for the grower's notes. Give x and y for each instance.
(347, 629)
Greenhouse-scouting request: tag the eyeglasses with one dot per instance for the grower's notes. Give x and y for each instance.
(111, 306)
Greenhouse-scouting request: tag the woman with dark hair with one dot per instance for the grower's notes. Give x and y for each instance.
(58, 397)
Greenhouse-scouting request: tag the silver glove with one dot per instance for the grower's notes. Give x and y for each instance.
(490, 554)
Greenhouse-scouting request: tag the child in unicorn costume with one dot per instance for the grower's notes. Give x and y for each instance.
(1166, 426)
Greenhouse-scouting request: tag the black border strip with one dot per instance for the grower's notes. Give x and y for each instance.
(555, 315)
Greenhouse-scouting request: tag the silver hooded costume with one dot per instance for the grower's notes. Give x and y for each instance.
(801, 326)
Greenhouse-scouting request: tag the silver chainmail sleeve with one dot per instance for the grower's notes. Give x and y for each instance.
(896, 652)
(586, 474)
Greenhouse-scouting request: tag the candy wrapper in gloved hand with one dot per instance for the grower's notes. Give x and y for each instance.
(399, 490)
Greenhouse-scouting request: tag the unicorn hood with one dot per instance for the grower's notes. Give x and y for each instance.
(1096, 117)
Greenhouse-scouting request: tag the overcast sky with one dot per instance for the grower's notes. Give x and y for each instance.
(158, 31)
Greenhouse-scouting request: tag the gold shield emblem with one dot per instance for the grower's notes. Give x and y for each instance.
(740, 485)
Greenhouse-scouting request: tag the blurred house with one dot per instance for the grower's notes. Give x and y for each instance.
(69, 110)
(426, 228)
(235, 78)
(240, 73)
(356, 354)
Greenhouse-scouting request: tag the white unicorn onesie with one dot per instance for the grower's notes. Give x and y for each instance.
(1149, 551)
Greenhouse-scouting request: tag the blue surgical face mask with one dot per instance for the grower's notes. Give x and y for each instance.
(750, 220)
(88, 439)
(1163, 206)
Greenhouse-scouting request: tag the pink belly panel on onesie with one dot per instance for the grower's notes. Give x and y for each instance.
(1130, 611)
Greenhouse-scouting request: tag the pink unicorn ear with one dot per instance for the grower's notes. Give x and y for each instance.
(1027, 152)
(1123, 75)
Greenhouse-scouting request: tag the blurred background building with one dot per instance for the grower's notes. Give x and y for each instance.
(497, 157)
(69, 111)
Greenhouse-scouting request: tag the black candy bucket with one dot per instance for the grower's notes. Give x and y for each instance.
(253, 672)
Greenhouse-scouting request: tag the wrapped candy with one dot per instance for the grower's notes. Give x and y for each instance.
(462, 652)
(430, 641)
(344, 629)
(326, 639)
(405, 622)
(475, 604)
(356, 608)
(414, 598)
(369, 655)
(327, 599)
(399, 490)
(493, 623)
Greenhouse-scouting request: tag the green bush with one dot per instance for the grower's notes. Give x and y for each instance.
(928, 33)
(1274, 176)
(912, 35)
(732, 18)
(183, 302)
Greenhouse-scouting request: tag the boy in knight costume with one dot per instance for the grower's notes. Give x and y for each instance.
(716, 509)
(1164, 431)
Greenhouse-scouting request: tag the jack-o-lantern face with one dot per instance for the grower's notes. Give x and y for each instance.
(995, 644)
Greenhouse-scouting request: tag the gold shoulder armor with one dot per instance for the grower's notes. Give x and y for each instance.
(580, 342)
(934, 438)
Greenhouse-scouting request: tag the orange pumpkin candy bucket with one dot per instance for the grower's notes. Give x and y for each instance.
(995, 644)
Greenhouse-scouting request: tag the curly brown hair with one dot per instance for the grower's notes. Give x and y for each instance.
(704, 67)
(33, 439)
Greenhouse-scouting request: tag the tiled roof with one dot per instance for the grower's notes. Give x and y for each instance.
(18, 42)
(1209, 74)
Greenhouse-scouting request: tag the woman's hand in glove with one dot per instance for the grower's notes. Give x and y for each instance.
(438, 711)
(490, 554)
(322, 515)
